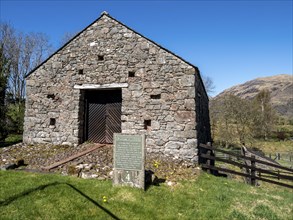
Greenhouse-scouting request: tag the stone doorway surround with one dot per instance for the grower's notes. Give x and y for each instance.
(87, 126)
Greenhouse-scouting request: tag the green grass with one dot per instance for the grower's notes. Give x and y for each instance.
(285, 148)
(11, 139)
(272, 146)
(40, 196)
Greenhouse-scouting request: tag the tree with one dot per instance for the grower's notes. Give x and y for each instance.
(232, 120)
(265, 116)
(221, 121)
(4, 73)
(208, 84)
(24, 52)
(243, 120)
(66, 38)
(236, 121)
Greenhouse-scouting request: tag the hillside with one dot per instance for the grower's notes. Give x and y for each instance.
(280, 86)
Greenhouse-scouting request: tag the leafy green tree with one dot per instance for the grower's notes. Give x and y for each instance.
(15, 117)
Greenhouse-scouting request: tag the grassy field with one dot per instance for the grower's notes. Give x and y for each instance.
(284, 148)
(48, 196)
(274, 146)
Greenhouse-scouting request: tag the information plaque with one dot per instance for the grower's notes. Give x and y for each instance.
(129, 158)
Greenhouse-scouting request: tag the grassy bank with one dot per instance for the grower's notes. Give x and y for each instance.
(40, 196)
(272, 146)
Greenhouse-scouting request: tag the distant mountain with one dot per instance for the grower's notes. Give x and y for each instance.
(280, 86)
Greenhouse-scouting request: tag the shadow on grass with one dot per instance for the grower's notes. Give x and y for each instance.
(42, 187)
(150, 181)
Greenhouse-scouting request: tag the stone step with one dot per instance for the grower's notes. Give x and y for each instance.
(47, 168)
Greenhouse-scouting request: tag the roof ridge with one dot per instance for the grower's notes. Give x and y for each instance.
(104, 13)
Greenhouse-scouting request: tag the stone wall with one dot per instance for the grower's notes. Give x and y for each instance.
(164, 90)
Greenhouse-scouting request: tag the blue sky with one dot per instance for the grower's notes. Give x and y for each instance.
(230, 41)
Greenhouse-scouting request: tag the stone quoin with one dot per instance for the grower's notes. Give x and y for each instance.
(110, 79)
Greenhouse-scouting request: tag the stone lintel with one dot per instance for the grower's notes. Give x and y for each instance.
(101, 86)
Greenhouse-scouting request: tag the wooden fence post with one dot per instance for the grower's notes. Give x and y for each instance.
(252, 180)
(208, 161)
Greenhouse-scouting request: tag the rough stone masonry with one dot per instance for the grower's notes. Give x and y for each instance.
(163, 96)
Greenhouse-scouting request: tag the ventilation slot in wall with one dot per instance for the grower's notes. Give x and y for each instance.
(100, 57)
(147, 124)
(51, 96)
(80, 72)
(52, 121)
(131, 74)
(158, 96)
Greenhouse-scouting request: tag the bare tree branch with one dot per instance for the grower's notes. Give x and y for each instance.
(209, 85)
(25, 52)
(66, 37)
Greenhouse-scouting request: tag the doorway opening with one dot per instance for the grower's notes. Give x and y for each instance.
(102, 115)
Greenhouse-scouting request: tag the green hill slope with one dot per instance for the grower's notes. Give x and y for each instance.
(280, 86)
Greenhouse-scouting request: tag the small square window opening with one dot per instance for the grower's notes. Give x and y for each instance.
(147, 124)
(100, 57)
(52, 121)
(80, 72)
(158, 96)
(51, 96)
(131, 74)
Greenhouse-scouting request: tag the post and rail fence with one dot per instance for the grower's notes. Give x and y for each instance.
(253, 168)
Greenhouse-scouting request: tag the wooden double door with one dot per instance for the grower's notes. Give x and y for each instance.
(102, 115)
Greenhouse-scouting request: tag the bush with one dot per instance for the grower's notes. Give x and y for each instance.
(3, 130)
(281, 135)
(15, 118)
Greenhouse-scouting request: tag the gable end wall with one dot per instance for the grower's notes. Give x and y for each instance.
(173, 117)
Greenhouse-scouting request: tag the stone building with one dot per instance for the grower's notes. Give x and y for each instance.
(110, 79)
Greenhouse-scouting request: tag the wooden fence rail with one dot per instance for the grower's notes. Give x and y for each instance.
(275, 171)
(280, 157)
